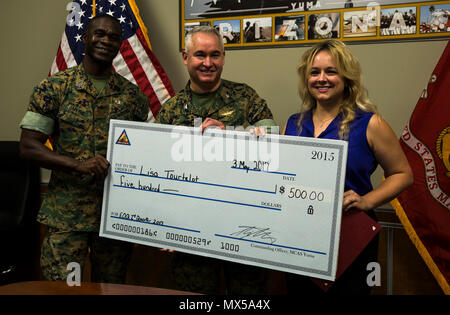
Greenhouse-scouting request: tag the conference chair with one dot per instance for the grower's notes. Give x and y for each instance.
(19, 203)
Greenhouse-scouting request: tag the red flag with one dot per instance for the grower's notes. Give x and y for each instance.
(424, 208)
(135, 61)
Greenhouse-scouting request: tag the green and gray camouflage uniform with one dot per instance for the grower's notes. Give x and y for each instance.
(68, 108)
(236, 105)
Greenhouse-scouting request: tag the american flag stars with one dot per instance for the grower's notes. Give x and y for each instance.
(135, 61)
(109, 7)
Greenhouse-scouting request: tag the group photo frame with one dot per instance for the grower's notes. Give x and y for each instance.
(247, 24)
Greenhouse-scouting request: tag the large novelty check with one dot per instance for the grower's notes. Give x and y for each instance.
(273, 202)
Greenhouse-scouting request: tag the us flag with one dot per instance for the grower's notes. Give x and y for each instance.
(135, 61)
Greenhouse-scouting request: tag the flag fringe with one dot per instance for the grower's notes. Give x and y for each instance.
(420, 247)
(135, 9)
(48, 144)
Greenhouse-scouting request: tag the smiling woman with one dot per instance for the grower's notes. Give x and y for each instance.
(331, 66)
(324, 82)
(335, 106)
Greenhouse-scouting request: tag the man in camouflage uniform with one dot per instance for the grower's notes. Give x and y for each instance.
(218, 103)
(74, 108)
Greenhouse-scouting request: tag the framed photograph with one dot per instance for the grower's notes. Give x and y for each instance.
(290, 28)
(249, 24)
(360, 23)
(213, 9)
(398, 21)
(208, 9)
(435, 18)
(322, 26)
(257, 30)
(191, 25)
(230, 31)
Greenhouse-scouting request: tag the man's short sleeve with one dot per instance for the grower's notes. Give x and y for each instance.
(42, 109)
(37, 122)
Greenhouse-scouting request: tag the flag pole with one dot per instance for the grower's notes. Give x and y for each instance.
(415, 239)
(135, 9)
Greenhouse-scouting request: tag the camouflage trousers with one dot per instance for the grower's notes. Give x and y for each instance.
(109, 258)
(203, 275)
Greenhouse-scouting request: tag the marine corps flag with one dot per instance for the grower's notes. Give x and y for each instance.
(424, 208)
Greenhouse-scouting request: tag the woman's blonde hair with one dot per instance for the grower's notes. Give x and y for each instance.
(355, 94)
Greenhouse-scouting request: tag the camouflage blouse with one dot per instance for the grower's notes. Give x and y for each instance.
(81, 121)
(238, 105)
